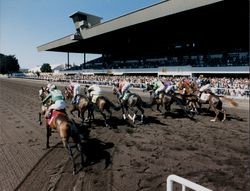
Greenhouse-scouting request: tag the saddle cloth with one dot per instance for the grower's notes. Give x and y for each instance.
(204, 96)
(54, 114)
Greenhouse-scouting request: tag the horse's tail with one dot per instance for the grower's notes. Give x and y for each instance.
(230, 101)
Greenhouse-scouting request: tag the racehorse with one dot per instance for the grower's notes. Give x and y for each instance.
(66, 128)
(103, 104)
(185, 102)
(133, 104)
(216, 105)
(83, 104)
(43, 93)
(214, 101)
(187, 87)
(163, 99)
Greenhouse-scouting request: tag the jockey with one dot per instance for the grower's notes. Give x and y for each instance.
(204, 84)
(76, 89)
(123, 88)
(157, 86)
(58, 99)
(94, 91)
(204, 88)
(168, 86)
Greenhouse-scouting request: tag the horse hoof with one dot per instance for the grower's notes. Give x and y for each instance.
(213, 120)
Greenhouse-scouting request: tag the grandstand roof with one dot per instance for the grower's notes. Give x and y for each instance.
(168, 27)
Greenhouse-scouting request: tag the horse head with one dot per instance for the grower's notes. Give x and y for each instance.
(43, 93)
(68, 93)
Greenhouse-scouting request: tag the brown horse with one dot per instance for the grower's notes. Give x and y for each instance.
(162, 100)
(103, 104)
(216, 105)
(83, 104)
(214, 101)
(184, 101)
(43, 93)
(187, 87)
(66, 128)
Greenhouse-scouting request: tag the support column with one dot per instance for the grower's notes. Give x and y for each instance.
(68, 60)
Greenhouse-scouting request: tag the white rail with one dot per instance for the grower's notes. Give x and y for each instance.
(184, 182)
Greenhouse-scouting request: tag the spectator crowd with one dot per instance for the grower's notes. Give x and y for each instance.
(238, 87)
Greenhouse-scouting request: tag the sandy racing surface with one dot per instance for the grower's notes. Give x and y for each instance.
(121, 158)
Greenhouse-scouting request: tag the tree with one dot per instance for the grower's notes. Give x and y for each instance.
(45, 68)
(8, 64)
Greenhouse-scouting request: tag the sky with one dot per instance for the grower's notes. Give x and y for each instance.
(27, 24)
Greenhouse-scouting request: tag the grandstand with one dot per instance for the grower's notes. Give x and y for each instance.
(164, 39)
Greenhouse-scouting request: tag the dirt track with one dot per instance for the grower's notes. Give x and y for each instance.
(215, 155)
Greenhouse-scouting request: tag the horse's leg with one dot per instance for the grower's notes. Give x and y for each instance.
(142, 113)
(158, 107)
(109, 111)
(216, 115)
(104, 117)
(81, 153)
(123, 113)
(224, 114)
(134, 114)
(83, 110)
(73, 108)
(40, 118)
(91, 112)
(48, 130)
(67, 146)
(78, 138)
